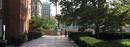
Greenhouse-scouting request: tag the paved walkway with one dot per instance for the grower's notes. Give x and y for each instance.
(50, 41)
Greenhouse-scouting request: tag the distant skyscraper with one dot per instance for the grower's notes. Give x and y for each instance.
(36, 8)
(46, 9)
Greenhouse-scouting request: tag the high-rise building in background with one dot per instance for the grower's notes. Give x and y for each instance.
(46, 9)
(36, 8)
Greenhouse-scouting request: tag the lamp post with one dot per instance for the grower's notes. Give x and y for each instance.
(57, 28)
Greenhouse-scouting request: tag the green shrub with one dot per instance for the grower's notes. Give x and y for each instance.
(93, 42)
(72, 35)
(34, 35)
(109, 36)
(123, 42)
(102, 36)
(17, 40)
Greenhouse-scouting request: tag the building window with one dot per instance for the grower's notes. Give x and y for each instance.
(24, 4)
(35, 14)
(0, 4)
(35, 7)
(0, 27)
(21, 4)
(24, 26)
(21, 26)
(36, 3)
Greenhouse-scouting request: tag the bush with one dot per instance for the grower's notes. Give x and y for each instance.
(17, 40)
(123, 42)
(93, 42)
(102, 36)
(109, 36)
(72, 35)
(34, 35)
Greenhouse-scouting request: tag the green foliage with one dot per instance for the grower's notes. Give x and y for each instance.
(123, 41)
(86, 41)
(73, 35)
(50, 22)
(102, 35)
(35, 24)
(34, 35)
(93, 42)
(41, 23)
(17, 40)
(85, 13)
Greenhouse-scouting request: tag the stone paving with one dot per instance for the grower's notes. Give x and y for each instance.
(50, 41)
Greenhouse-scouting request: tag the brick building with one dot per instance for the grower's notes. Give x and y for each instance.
(14, 15)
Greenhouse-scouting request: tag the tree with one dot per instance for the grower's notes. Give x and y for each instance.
(98, 12)
(83, 12)
(118, 15)
(50, 22)
(35, 24)
(41, 23)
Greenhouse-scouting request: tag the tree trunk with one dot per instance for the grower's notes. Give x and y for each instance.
(104, 28)
(97, 29)
(121, 32)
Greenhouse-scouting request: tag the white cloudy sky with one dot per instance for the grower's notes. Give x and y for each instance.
(53, 9)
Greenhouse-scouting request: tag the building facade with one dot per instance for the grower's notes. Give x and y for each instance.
(46, 9)
(1, 17)
(29, 9)
(14, 15)
(72, 27)
(36, 8)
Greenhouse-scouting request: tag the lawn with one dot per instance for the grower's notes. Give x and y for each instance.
(123, 41)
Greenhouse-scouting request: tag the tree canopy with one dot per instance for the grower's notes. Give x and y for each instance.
(41, 23)
(94, 12)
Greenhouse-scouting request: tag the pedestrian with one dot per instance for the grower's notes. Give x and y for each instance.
(61, 32)
(65, 33)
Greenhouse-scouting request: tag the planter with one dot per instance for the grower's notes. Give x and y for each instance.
(3, 43)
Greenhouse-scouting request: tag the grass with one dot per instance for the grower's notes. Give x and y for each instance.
(123, 41)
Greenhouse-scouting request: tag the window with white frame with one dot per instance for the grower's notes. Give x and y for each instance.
(0, 27)
(21, 4)
(24, 26)
(0, 4)
(24, 4)
(21, 25)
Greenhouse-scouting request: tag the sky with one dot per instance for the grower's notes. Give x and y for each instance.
(53, 9)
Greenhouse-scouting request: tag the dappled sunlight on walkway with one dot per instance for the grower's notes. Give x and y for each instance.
(50, 41)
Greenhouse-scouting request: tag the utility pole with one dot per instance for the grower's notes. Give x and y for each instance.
(57, 30)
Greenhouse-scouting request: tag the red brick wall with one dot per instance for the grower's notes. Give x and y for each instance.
(16, 14)
(48, 32)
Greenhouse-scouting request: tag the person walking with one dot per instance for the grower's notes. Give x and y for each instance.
(65, 33)
(61, 32)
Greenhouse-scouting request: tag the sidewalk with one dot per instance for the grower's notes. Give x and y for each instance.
(50, 41)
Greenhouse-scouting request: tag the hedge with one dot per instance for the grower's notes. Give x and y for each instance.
(123, 42)
(34, 35)
(72, 35)
(93, 42)
(102, 36)
(19, 39)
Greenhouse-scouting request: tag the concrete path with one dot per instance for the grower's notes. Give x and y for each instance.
(50, 41)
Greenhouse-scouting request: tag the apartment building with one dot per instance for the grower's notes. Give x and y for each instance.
(36, 8)
(46, 9)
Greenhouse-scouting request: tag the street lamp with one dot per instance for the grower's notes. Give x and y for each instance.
(57, 29)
